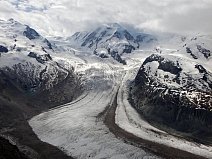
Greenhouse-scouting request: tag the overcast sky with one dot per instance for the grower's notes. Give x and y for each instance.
(64, 17)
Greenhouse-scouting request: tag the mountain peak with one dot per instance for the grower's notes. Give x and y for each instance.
(114, 25)
(113, 37)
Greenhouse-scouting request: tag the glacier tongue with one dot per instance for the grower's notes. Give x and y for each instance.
(75, 127)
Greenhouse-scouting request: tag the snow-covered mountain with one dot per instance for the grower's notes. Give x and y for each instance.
(199, 47)
(111, 40)
(175, 87)
(15, 35)
(31, 80)
(26, 59)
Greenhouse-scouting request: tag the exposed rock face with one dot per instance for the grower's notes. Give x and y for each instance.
(23, 94)
(3, 49)
(204, 51)
(30, 33)
(176, 92)
(117, 57)
(48, 44)
(198, 47)
(164, 64)
(37, 73)
(54, 82)
(9, 151)
(40, 58)
(145, 38)
(188, 50)
(128, 48)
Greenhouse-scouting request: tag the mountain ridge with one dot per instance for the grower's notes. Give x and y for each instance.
(110, 40)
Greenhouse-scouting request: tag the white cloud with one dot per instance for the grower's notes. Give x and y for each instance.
(64, 17)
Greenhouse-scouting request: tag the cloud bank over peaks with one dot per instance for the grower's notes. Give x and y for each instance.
(64, 17)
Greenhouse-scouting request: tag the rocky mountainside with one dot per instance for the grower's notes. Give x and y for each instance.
(199, 47)
(31, 81)
(111, 40)
(17, 37)
(175, 88)
(9, 151)
(26, 59)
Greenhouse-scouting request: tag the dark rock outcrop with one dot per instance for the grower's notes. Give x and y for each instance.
(9, 151)
(128, 48)
(30, 33)
(188, 50)
(89, 39)
(27, 90)
(204, 51)
(48, 44)
(145, 38)
(117, 57)
(164, 64)
(185, 108)
(3, 49)
(40, 58)
(201, 69)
